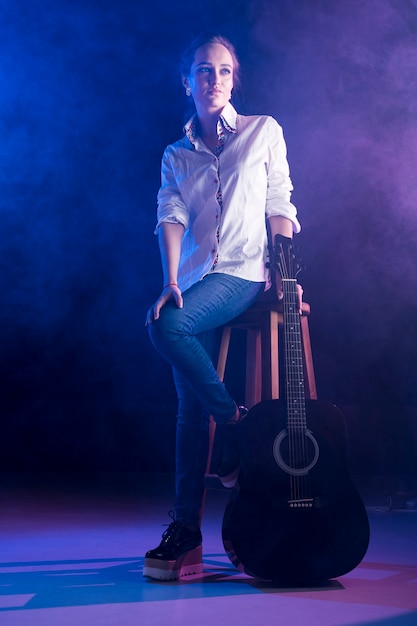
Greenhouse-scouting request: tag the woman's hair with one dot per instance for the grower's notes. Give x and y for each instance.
(203, 39)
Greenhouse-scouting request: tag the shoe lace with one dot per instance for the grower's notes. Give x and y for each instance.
(173, 528)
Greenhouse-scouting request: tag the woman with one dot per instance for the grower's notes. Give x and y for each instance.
(221, 183)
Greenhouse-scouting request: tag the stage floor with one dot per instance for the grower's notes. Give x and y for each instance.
(71, 553)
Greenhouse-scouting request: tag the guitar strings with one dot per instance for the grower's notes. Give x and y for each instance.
(296, 414)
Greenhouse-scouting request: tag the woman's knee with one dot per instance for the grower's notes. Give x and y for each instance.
(166, 328)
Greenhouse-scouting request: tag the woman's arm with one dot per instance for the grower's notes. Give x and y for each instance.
(279, 225)
(169, 237)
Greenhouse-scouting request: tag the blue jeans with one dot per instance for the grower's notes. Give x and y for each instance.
(185, 338)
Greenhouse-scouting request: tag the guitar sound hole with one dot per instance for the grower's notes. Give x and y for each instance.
(296, 453)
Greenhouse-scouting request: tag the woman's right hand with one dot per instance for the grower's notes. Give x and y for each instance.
(170, 292)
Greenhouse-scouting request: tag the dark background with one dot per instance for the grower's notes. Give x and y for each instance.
(89, 96)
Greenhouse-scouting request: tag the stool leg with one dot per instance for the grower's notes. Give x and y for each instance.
(310, 390)
(253, 384)
(270, 364)
(212, 432)
(223, 351)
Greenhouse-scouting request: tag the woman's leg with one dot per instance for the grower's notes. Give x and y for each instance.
(184, 337)
(191, 452)
(192, 440)
(210, 303)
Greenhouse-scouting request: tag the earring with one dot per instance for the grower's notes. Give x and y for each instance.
(188, 91)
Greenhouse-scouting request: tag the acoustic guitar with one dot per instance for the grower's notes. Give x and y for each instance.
(295, 516)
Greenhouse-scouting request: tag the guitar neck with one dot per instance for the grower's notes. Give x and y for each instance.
(293, 359)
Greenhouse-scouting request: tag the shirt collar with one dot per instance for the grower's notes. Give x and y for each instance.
(228, 119)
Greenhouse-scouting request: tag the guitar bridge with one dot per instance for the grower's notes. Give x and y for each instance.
(307, 503)
(304, 503)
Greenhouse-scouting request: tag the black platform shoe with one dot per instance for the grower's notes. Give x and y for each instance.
(228, 471)
(179, 554)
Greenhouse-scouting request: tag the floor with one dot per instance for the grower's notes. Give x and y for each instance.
(71, 553)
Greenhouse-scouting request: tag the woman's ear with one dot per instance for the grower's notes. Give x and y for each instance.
(186, 84)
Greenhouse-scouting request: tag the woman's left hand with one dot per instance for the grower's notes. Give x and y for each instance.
(280, 292)
(168, 293)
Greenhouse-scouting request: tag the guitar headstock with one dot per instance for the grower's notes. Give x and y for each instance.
(285, 260)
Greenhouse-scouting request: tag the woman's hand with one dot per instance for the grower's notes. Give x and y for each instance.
(280, 292)
(170, 292)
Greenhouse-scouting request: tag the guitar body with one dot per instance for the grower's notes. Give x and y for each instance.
(295, 519)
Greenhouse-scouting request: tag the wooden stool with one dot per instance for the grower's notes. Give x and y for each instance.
(261, 323)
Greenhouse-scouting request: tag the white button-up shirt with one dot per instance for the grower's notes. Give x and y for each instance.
(251, 176)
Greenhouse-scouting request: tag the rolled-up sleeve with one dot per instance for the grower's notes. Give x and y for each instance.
(171, 207)
(278, 199)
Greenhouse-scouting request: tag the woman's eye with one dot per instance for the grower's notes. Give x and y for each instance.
(225, 70)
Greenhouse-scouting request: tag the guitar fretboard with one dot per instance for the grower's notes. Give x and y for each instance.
(294, 374)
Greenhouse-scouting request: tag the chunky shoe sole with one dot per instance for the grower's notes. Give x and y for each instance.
(185, 565)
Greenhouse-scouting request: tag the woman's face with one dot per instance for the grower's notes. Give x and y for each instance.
(211, 78)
